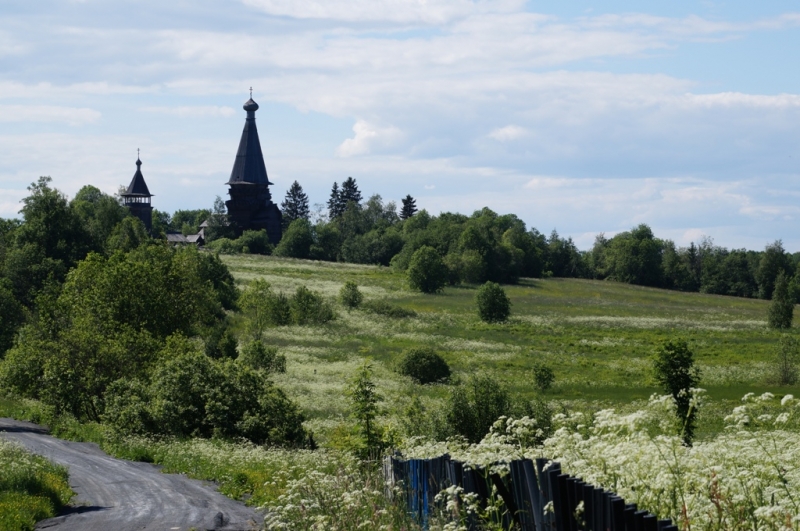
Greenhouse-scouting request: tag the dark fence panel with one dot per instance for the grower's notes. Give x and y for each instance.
(538, 496)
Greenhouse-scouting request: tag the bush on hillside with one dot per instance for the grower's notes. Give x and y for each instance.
(424, 365)
(426, 271)
(260, 357)
(308, 307)
(543, 377)
(781, 310)
(473, 407)
(263, 307)
(493, 304)
(786, 360)
(350, 296)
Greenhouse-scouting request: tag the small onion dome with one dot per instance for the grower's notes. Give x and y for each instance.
(250, 105)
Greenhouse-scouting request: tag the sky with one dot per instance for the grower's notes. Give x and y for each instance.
(584, 117)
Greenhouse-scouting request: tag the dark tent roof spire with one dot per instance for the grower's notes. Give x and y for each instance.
(249, 167)
(137, 187)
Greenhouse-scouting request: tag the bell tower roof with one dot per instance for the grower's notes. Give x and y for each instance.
(137, 187)
(249, 167)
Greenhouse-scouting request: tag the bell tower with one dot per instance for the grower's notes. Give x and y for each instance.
(137, 198)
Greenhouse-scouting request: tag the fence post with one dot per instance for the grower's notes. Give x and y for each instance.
(547, 485)
(630, 518)
(650, 522)
(599, 510)
(588, 506)
(617, 513)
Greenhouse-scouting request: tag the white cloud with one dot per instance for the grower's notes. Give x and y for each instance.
(508, 133)
(399, 11)
(197, 111)
(15, 89)
(48, 113)
(738, 99)
(368, 138)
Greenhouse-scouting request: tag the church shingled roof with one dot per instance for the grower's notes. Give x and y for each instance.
(138, 187)
(249, 168)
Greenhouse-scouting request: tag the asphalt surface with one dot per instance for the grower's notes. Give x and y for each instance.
(118, 495)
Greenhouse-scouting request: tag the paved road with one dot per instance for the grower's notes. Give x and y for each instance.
(118, 495)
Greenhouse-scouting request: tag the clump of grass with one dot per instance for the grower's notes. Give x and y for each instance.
(387, 309)
(31, 488)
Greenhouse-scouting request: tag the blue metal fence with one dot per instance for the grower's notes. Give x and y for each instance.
(526, 491)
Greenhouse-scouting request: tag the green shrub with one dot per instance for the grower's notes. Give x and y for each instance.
(424, 365)
(382, 307)
(781, 310)
(675, 371)
(426, 271)
(309, 307)
(493, 304)
(296, 241)
(260, 357)
(279, 309)
(786, 360)
(473, 407)
(224, 246)
(191, 394)
(127, 407)
(543, 377)
(254, 242)
(350, 295)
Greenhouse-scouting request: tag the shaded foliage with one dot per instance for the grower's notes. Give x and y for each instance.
(423, 365)
(190, 394)
(473, 407)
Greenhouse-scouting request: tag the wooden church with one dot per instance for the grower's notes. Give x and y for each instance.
(250, 206)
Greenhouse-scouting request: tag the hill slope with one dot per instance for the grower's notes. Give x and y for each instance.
(597, 336)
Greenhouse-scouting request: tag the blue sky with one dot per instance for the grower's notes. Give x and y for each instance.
(581, 116)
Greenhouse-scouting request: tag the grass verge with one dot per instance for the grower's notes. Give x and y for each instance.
(31, 488)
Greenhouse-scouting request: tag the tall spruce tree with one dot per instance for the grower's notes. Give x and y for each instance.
(781, 310)
(295, 205)
(335, 208)
(409, 207)
(349, 193)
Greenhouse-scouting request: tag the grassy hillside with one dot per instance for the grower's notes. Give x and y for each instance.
(597, 336)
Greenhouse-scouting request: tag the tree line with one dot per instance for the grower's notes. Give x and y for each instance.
(486, 246)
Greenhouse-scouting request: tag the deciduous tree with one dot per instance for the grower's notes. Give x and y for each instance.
(675, 371)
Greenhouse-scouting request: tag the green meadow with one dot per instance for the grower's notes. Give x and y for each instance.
(597, 336)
